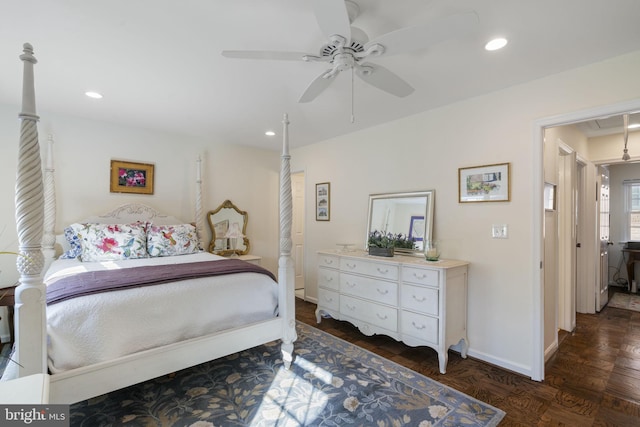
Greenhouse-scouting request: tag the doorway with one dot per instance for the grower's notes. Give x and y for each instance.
(297, 232)
(539, 159)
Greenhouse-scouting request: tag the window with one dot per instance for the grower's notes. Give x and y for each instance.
(632, 209)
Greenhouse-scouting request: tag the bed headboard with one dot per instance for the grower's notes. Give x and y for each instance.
(133, 212)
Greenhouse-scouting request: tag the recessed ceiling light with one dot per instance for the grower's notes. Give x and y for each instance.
(496, 44)
(634, 126)
(94, 95)
(270, 133)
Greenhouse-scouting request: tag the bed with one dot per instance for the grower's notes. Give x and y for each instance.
(84, 335)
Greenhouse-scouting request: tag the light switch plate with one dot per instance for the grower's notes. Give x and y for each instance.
(499, 231)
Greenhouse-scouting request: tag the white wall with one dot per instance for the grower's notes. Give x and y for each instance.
(83, 150)
(425, 152)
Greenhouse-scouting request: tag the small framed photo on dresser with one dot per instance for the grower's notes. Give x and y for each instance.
(323, 201)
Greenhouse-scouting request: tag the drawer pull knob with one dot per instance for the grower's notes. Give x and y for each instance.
(381, 317)
(382, 291)
(381, 271)
(420, 299)
(328, 261)
(328, 299)
(351, 285)
(420, 276)
(351, 266)
(328, 279)
(418, 326)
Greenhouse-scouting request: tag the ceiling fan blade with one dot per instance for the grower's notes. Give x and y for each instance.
(333, 18)
(423, 36)
(316, 87)
(265, 54)
(384, 79)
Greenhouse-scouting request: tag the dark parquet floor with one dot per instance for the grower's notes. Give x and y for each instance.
(592, 380)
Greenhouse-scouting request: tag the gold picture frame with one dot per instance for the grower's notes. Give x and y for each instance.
(131, 177)
(488, 183)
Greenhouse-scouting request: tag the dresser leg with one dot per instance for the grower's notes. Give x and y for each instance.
(464, 347)
(443, 358)
(318, 316)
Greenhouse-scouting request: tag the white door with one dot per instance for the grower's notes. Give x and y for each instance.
(588, 254)
(297, 232)
(602, 294)
(567, 240)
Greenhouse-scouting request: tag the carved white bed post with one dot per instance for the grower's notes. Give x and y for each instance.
(30, 318)
(49, 238)
(198, 213)
(286, 273)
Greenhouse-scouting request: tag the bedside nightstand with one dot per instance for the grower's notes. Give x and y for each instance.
(7, 299)
(253, 259)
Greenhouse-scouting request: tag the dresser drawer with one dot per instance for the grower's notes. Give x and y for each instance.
(420, 299)
(328, 299)
(369, 288)
(379, 315)
(420, 276)
(329, 261)
(382, 271)
(419, 326)
(328, 278)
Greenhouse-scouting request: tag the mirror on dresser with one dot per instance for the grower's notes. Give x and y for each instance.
(406, 213)
(228, 230)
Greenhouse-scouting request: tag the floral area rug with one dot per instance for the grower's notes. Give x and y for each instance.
(331, 383)
(626, 301)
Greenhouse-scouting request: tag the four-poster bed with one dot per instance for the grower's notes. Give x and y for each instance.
(35, 219)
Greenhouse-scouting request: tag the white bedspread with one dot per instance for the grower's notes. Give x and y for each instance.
(100, 327)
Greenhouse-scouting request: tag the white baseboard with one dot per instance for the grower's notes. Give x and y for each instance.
(551, 350)
(501, 363)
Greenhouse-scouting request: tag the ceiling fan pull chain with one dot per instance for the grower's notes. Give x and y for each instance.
(353, 118)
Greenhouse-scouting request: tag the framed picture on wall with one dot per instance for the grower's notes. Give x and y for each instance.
(489, 183)
(130, 177)
(323, 201)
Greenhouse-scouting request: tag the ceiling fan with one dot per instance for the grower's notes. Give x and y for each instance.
(349, 47)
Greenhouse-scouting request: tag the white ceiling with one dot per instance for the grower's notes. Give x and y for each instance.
(159, 66)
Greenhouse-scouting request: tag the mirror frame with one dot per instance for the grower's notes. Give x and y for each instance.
(429, 195)
(227, 204)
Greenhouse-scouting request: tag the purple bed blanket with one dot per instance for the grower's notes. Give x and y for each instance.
(92, 282)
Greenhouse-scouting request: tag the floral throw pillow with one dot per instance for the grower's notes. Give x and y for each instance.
(169, 240)
(71, 235)
(112, 242)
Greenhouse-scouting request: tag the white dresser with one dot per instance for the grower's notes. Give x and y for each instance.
(407, 298)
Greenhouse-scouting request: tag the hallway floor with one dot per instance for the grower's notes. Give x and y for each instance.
(593, 379)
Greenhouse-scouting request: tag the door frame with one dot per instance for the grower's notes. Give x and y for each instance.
(537, 365)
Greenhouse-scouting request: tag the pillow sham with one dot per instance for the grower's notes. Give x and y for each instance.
(71, 235)
(112, 242)
(170, 240)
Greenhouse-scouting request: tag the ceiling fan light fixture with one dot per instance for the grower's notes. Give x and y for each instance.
(270, 133)
(496, 44)
(625, 120)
